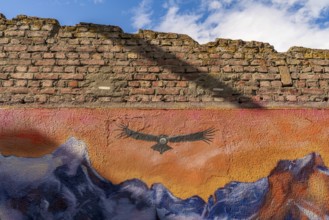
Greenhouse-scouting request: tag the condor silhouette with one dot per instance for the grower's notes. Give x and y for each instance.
(162, 140)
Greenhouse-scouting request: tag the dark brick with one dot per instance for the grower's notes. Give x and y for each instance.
(18, 90)
(145, 77)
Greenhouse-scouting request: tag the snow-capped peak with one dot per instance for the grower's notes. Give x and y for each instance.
(300, 168)
(72, 153)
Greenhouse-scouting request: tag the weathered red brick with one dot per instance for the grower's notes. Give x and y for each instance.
(65, 91)
(37, 33)
(168, 91)
(64, 48)
(12, 33)
(313, 91)
(134, 84)
(318, 69)
(33, 69)
(78, 76)
(84, 55)
(142, 69)
(85, 49)
(40, 98)
(4, 75)
(265, 84)
(4, 98)
(291, 98)
(21, 75)
(323, 84)
(47, 83)
(145, 77)
(55, 99)
(15, 48)
(4, 40)
(92, 62)
(33, 83)
(156, 98)
(145, 84)
(46, 76)
(276, 83)
(157, 83)
(21, 69)
(3, 55)
(18, 90)
(168, 98)
(46, 69)
(182, 84)
(93, 69)
(7, 83)
(21, 83)
(309, 76)
(45, 62)
(169, 76)
(154, 69)
(49, 91)
(18, 98)
(170, 83)
(69, 69)
(181, 99)
(60, 55)
(61, 83)
(144, 91)
(68, 62)
(37, 48)
(73, 84)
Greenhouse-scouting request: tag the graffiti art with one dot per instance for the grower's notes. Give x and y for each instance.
(64, 185)
(162, 140)
(78, 164)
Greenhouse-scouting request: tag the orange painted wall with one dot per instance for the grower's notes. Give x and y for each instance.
(246, 145)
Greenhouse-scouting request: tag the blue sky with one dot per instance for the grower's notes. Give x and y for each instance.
(282, 23)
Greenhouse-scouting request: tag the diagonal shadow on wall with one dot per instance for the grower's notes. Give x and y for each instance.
(208, 84)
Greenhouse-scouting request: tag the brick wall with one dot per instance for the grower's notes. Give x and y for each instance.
(42, 62)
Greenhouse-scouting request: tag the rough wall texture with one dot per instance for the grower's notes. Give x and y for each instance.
(42, 62)
(190, 151)
(246, 145)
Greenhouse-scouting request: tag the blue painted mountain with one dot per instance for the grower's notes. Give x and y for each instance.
(63, 185)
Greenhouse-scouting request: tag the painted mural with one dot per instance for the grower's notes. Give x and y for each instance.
(162, 140)
(164, 164)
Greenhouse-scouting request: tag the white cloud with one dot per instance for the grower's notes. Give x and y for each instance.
(142, 14)
(98, 1)
(282, 23)
(182, 23)
(277, 25)
(213, 5)
(261, 24)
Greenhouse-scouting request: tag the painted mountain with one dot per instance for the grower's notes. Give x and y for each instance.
(63, 185)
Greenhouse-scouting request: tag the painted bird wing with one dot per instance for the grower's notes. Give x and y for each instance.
(126, 132)
(206, 136)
